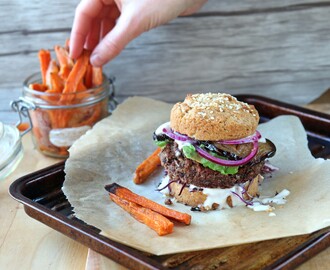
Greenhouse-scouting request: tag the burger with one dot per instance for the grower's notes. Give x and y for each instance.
(212, 153)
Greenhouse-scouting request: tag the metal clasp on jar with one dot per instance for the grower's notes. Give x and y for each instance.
(112, 99)
(22, 107)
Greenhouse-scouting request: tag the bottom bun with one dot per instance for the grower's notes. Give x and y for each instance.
(205, 199)
(187, 197)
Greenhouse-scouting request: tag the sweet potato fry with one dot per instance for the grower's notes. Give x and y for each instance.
(146, 168)
(51, 98)
(128, 195)
(81, 86)
(76, 75)
(63, 57)
(153, 220)
(38, 87)
(96, 115)
(65, 71)
(64, 117)
(56, 82)
(97, 78)
(52, 68)
(89, 76)
(44, 59)
(23, 126)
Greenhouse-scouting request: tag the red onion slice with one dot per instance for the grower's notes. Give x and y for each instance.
(177, 136)
(251, 139)
(255, 137)
(242, 199)
(225, 162)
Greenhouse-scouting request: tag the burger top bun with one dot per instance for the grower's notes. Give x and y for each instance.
(213, 117)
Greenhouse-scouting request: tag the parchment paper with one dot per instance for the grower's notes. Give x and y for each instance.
(111, 151)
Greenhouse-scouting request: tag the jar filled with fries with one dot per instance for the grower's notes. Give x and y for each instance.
(64, 100)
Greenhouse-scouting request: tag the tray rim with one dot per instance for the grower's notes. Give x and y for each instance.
(119, 250)
(288, 106)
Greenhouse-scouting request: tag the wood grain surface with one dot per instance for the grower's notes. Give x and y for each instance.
(279, 49)
(26, 243)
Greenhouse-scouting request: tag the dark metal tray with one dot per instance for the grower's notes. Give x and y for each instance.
(43, 199)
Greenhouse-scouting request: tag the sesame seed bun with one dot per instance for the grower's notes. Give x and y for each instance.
(213, 117)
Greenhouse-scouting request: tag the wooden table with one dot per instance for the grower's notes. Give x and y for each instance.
(27, 244)
(276, 48)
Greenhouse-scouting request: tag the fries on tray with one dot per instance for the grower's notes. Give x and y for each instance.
(154, 215)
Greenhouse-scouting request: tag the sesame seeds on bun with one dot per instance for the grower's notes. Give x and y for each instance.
(213, 117)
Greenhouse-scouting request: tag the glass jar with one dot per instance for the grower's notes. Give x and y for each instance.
(58, 119)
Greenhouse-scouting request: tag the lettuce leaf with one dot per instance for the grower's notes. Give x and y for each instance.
(161, 144)
(190, 152)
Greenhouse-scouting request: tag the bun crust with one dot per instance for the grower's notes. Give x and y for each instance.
(197, 198)
(193, 199)
(213, 117)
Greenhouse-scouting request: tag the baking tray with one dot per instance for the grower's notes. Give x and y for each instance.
(41, 194)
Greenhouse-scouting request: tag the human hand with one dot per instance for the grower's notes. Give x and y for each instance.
(107, 26)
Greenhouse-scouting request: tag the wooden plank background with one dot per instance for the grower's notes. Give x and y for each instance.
(276, 48)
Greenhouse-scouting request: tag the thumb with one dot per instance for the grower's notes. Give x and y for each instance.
(125, 30)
